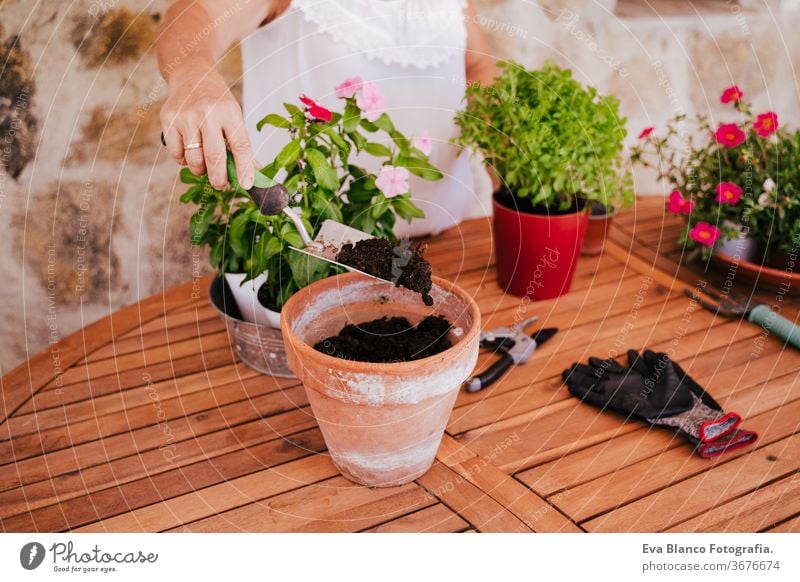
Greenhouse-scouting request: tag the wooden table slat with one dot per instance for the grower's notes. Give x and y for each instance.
(155, 425)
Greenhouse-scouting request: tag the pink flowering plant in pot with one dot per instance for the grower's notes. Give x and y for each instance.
(718, 177)
(315, 165)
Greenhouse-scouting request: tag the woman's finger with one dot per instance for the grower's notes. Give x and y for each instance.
(215, 155)
(194, 156)
(174, 143)
(239, 144)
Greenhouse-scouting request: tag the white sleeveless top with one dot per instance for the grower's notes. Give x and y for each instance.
(413, 49)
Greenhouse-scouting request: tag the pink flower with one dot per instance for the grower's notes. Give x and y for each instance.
(349, 87)
(423, 143)
(729, 135)
(392, 181)
(646, 132)
(315, 110)
(766, 124)
(728, 193)
(732, 94)
(678, 204)
(371, 101)
(704, 233)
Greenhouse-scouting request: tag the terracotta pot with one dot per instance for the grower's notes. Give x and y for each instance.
(537, 253)
(596, 230)
(382, 423)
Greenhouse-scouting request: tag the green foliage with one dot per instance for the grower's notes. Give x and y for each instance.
(549, 139)
(774, 216)
(314, 165)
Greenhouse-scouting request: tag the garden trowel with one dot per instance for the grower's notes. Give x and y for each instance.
(272, 198)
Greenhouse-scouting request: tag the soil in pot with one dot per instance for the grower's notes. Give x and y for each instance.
(400, 264)
(389, 339)
(265, 300)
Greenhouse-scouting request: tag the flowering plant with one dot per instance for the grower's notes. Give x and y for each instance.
(719, 177)
(315, 167)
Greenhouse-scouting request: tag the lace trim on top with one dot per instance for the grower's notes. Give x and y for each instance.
(411, 33)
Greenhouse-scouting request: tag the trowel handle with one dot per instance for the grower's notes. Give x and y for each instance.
(298, 224)
(776, 324)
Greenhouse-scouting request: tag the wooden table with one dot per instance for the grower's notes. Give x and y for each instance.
(154, 425)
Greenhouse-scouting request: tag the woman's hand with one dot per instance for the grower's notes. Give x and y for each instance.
(200, 109)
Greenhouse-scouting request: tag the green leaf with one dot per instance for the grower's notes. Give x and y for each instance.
(401, 141)
(216, 256)
(384, 123)
(236, 232)
(407, 209)
(292, 183)
(232, 178)
(369, 126)
(324, 173)
(262, 181)
(337, 139)
(418, 167)
(188, 178)
(198, 224)
(322, 203)
(304, 267)
(294, 240)
(377, 149)
(192, 194)
(379, 207)
(274, 119)
(352, 115)
(289, 154)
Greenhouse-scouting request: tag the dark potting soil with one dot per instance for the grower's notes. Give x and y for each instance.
(389, 339)
(402, 265)
(265, 299)
(505, 198)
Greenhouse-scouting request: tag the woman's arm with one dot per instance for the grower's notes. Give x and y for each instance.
(200, 108)
(479, 62)
(481, 67)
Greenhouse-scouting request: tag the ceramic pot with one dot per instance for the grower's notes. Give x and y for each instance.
(246, 297)
(741, 248)
(537, 253)
(382, 423)
(596, 230)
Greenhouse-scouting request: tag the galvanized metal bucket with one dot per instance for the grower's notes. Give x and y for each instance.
(259, 346)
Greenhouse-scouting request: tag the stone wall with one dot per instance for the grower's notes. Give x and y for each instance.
(89, 216)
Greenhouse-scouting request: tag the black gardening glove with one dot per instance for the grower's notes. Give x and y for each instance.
(653, 389)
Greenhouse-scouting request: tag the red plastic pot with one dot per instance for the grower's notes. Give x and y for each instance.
(537, 253)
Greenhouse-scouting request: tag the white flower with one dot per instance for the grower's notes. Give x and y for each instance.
(768, 186)
(764, 200)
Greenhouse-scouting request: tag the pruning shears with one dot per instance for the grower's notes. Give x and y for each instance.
(514, 347)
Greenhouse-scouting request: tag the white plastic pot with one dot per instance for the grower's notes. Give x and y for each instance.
(741, 248)
(246, 296)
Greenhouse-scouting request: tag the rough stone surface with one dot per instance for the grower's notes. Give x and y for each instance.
(88, 78)
(17, 122)
(116, 36)
(66, 238)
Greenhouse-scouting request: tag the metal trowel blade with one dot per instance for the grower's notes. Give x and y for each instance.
(330, 239)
